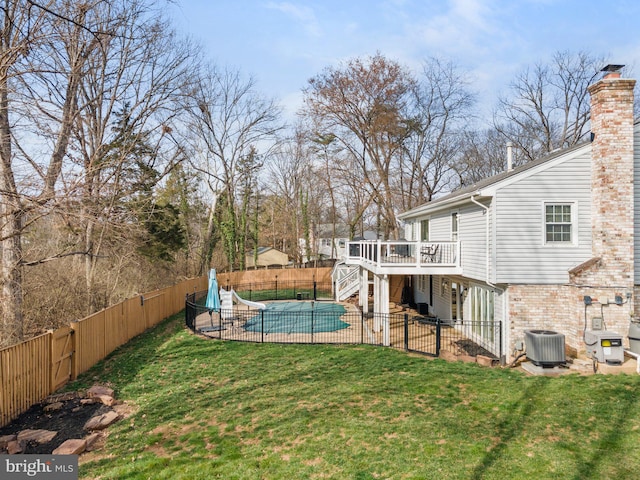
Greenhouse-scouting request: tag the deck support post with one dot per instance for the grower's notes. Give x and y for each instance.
(364, 290)
(381, 306)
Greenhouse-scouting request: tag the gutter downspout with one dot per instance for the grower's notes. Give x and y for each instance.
(486, 209)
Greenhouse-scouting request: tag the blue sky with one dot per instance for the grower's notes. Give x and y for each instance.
(284, 43)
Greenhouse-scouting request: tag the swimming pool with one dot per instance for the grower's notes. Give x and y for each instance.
(298, 317)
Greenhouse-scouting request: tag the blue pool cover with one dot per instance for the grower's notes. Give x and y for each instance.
(298, 317)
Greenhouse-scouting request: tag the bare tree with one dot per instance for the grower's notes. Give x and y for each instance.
(362, 104)
(234, 123)
(66, 68)
(26, 40)
(548, 105)
(482, 154)
(440, 109)
(124, 138)
(287, 180)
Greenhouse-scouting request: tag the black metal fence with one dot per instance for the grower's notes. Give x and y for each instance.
(414, 333)
(282, 290)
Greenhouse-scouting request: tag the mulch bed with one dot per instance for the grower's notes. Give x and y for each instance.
(68, 421)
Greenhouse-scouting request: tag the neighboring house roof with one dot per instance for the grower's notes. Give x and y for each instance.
(368, 235)
(466, 192)
(325, 230)
(262, 250)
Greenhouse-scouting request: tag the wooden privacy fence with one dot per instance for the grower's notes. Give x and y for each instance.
(35, 368)
(290, 275)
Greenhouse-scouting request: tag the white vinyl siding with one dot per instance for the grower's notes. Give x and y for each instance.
(442, 297)
(473, 240)
(440, 227)
(521, 255)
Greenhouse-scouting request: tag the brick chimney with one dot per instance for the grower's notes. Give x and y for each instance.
(612, 212)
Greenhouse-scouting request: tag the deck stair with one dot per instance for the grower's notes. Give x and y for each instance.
(346, 281)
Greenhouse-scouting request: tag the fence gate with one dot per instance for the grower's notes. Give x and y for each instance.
(62, 348)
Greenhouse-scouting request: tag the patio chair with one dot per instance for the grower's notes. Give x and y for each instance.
(429, 253)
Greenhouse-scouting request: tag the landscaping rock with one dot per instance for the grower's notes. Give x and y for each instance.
(466, 358)
(98, 390)
(15, 446)
(37, 436)
(102, 421)
(71, 428)
(484, 361)
(448, 356)
(5, 439)
(52, 407)
(71, 447)
(93, 441)
(107, 400)
(102, 394)
(61, 397)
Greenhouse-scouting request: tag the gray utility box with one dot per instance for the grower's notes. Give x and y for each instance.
(634, 337)
(604, 346)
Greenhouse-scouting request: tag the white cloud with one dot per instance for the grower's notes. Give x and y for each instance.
(303, 15)
(465, 26)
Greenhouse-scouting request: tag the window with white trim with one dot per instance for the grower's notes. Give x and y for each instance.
(454, 227)
(558, 224)
(424, 230)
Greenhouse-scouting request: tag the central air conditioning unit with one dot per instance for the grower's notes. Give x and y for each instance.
(545, 348)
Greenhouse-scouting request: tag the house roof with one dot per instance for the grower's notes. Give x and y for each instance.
(466, 192)
(262, 250)
(325, 230)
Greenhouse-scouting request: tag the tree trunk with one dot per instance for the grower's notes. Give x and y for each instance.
(10, 231)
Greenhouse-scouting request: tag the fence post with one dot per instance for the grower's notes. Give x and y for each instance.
(315, 290)
(361, 327)
(262, 326)
(276, 287)
(438, 333)
(502, 359)
(406, 331)
(186, 311)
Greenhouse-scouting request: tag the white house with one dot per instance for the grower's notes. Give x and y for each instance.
(550, 245)
(329, 241)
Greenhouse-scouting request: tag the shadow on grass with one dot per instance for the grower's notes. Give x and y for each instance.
(511, 426)
(611, 441)
(622, 402)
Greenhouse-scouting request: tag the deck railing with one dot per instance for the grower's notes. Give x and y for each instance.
(390, 253)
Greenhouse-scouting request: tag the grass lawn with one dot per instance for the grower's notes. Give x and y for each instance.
(208, 409)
